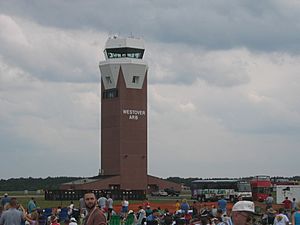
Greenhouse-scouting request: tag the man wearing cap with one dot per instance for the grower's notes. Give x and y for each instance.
(242, 212)
(95, 216)
(5, 200)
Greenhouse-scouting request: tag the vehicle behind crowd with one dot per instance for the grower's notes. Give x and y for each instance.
(261, 187)
(213, 190)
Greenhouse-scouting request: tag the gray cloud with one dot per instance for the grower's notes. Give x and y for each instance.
(258, 25)
(223, 84)
(49, 53)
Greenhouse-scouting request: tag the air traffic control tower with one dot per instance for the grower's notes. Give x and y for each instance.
(123, 122)
(124, 112)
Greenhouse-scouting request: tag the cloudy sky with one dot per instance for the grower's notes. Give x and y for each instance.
(224, 85)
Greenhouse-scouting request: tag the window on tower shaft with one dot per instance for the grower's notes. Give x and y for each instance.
(110, 93)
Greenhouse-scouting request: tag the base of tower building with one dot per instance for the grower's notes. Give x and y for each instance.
(102, 182)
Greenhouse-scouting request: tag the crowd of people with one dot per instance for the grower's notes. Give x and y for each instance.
(13, 213)
(93, 211)
(288, 214)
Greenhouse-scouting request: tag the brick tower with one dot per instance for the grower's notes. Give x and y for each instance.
(123, 123)
(124, 112)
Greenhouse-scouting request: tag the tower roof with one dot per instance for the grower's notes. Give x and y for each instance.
(121, 42)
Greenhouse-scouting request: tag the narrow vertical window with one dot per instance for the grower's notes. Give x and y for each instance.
(108, 80)
(135, 79)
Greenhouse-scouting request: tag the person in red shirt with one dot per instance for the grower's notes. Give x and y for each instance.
(287, 203)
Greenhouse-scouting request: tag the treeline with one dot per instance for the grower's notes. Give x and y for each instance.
(188, 181)
(33, 184)
(185, 181)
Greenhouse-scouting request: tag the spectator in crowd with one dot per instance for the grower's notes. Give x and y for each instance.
(177, 205)
(141, 218)
(67, 221)
(242, 213)
(82, 208)
(110, 206)
(125, 205)
(167, 218)
(5, 200)
(195, 208)
(73, 221)
(294, 204)
(70, 208)
(102, 202)
(31, 206)
(220, 214)
(131, 217)
(13, 215)
(287, 204)
(269, 201)
(281, 218)
(95, 216)
(148, 210)
(269, 216)
(33, 218)
(222, 204)
(153, 219)
(146, 203)
(54, 220)
(184, 206)
(213, 211)
(296, 215)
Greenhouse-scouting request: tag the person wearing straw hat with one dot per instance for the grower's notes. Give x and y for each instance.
(269, 216)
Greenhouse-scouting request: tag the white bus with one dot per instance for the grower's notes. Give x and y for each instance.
(212, 190)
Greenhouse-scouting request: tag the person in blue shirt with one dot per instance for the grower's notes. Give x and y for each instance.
(222, 204)
(5, 200)
(153, 219)
(296, 215)
(184, 206)
(31, 205)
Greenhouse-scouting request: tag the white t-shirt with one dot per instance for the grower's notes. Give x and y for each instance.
(125, 203)
(70, 210)
(281, 219)
(110, 203)
(102, 202)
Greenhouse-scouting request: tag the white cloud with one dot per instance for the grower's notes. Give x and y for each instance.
(52, 53)
(223, 85)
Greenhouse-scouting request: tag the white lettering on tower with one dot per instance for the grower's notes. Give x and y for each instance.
(134, 114)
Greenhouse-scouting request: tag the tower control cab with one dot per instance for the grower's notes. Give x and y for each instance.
(125, 54)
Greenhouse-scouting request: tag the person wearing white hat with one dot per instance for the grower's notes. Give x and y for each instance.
(242, 212)
(73, 221)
